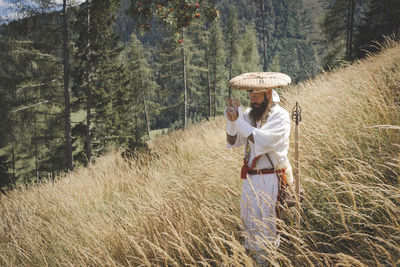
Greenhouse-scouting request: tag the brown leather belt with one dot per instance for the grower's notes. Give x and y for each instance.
(262, 171)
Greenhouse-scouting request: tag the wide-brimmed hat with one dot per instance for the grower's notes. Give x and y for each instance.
(259, 81)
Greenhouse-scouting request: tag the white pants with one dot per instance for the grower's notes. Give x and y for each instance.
(259, 195)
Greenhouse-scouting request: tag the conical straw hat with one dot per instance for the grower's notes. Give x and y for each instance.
(259, 81)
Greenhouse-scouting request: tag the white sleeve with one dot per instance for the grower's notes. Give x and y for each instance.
(231, 129)
(242, 125)
(271, 136)
(240, 141)
(231, 126)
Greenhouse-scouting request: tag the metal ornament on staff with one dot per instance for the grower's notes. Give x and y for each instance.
(296, 117)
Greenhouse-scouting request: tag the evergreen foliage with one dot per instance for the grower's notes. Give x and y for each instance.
(5, 109)
(250, 55)
(176, 14)
(7, 84)
(289, 44)
(134, 100)
(197, 81)
(380, 19)
(338, 27)
(232, 39)
(368, 21)
(5, 176)
(169, 76)
(217, 67)
(33, 86)
(98, 76)
(288, 47)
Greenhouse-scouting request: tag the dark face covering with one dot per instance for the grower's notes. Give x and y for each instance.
(257, 110)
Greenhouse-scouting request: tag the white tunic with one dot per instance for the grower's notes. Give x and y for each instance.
(259, 192)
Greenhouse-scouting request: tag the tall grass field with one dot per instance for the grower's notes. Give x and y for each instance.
(178, 204)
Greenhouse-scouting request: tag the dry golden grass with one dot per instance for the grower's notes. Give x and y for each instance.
(179, 204)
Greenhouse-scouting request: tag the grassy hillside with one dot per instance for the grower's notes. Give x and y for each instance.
(179, 204)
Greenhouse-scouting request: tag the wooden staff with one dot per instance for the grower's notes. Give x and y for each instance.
(296, 117)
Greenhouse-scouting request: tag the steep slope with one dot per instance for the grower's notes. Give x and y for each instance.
(178, 204)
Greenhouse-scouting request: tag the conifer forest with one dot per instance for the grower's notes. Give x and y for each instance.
(80, 78)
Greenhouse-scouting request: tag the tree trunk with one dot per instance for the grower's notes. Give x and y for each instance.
(214, 66)
(52, 162)
(184, 81)
(208, 81)
(13, 154)
(350, 25)
(67, 104)
(353, 6)
(348, 28)
(263, 36)
(35, 144)
(146, 115)
(88, 146)
(230, 76)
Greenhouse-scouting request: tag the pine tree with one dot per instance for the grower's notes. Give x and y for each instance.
(40, 9)
(289, 42)
(249, 50)
(184, 75)
(274, 66)
(36, 91)
(338, 27)
(381, 18)
(136, 100)
(265, 9)
(209, 93)
(232, 38)
(97, 73)
(6, 136)
(67, 97)
(198, 71)
(217, 69)
(168, 62)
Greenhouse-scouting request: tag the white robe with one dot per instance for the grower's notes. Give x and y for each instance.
(259, 192)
